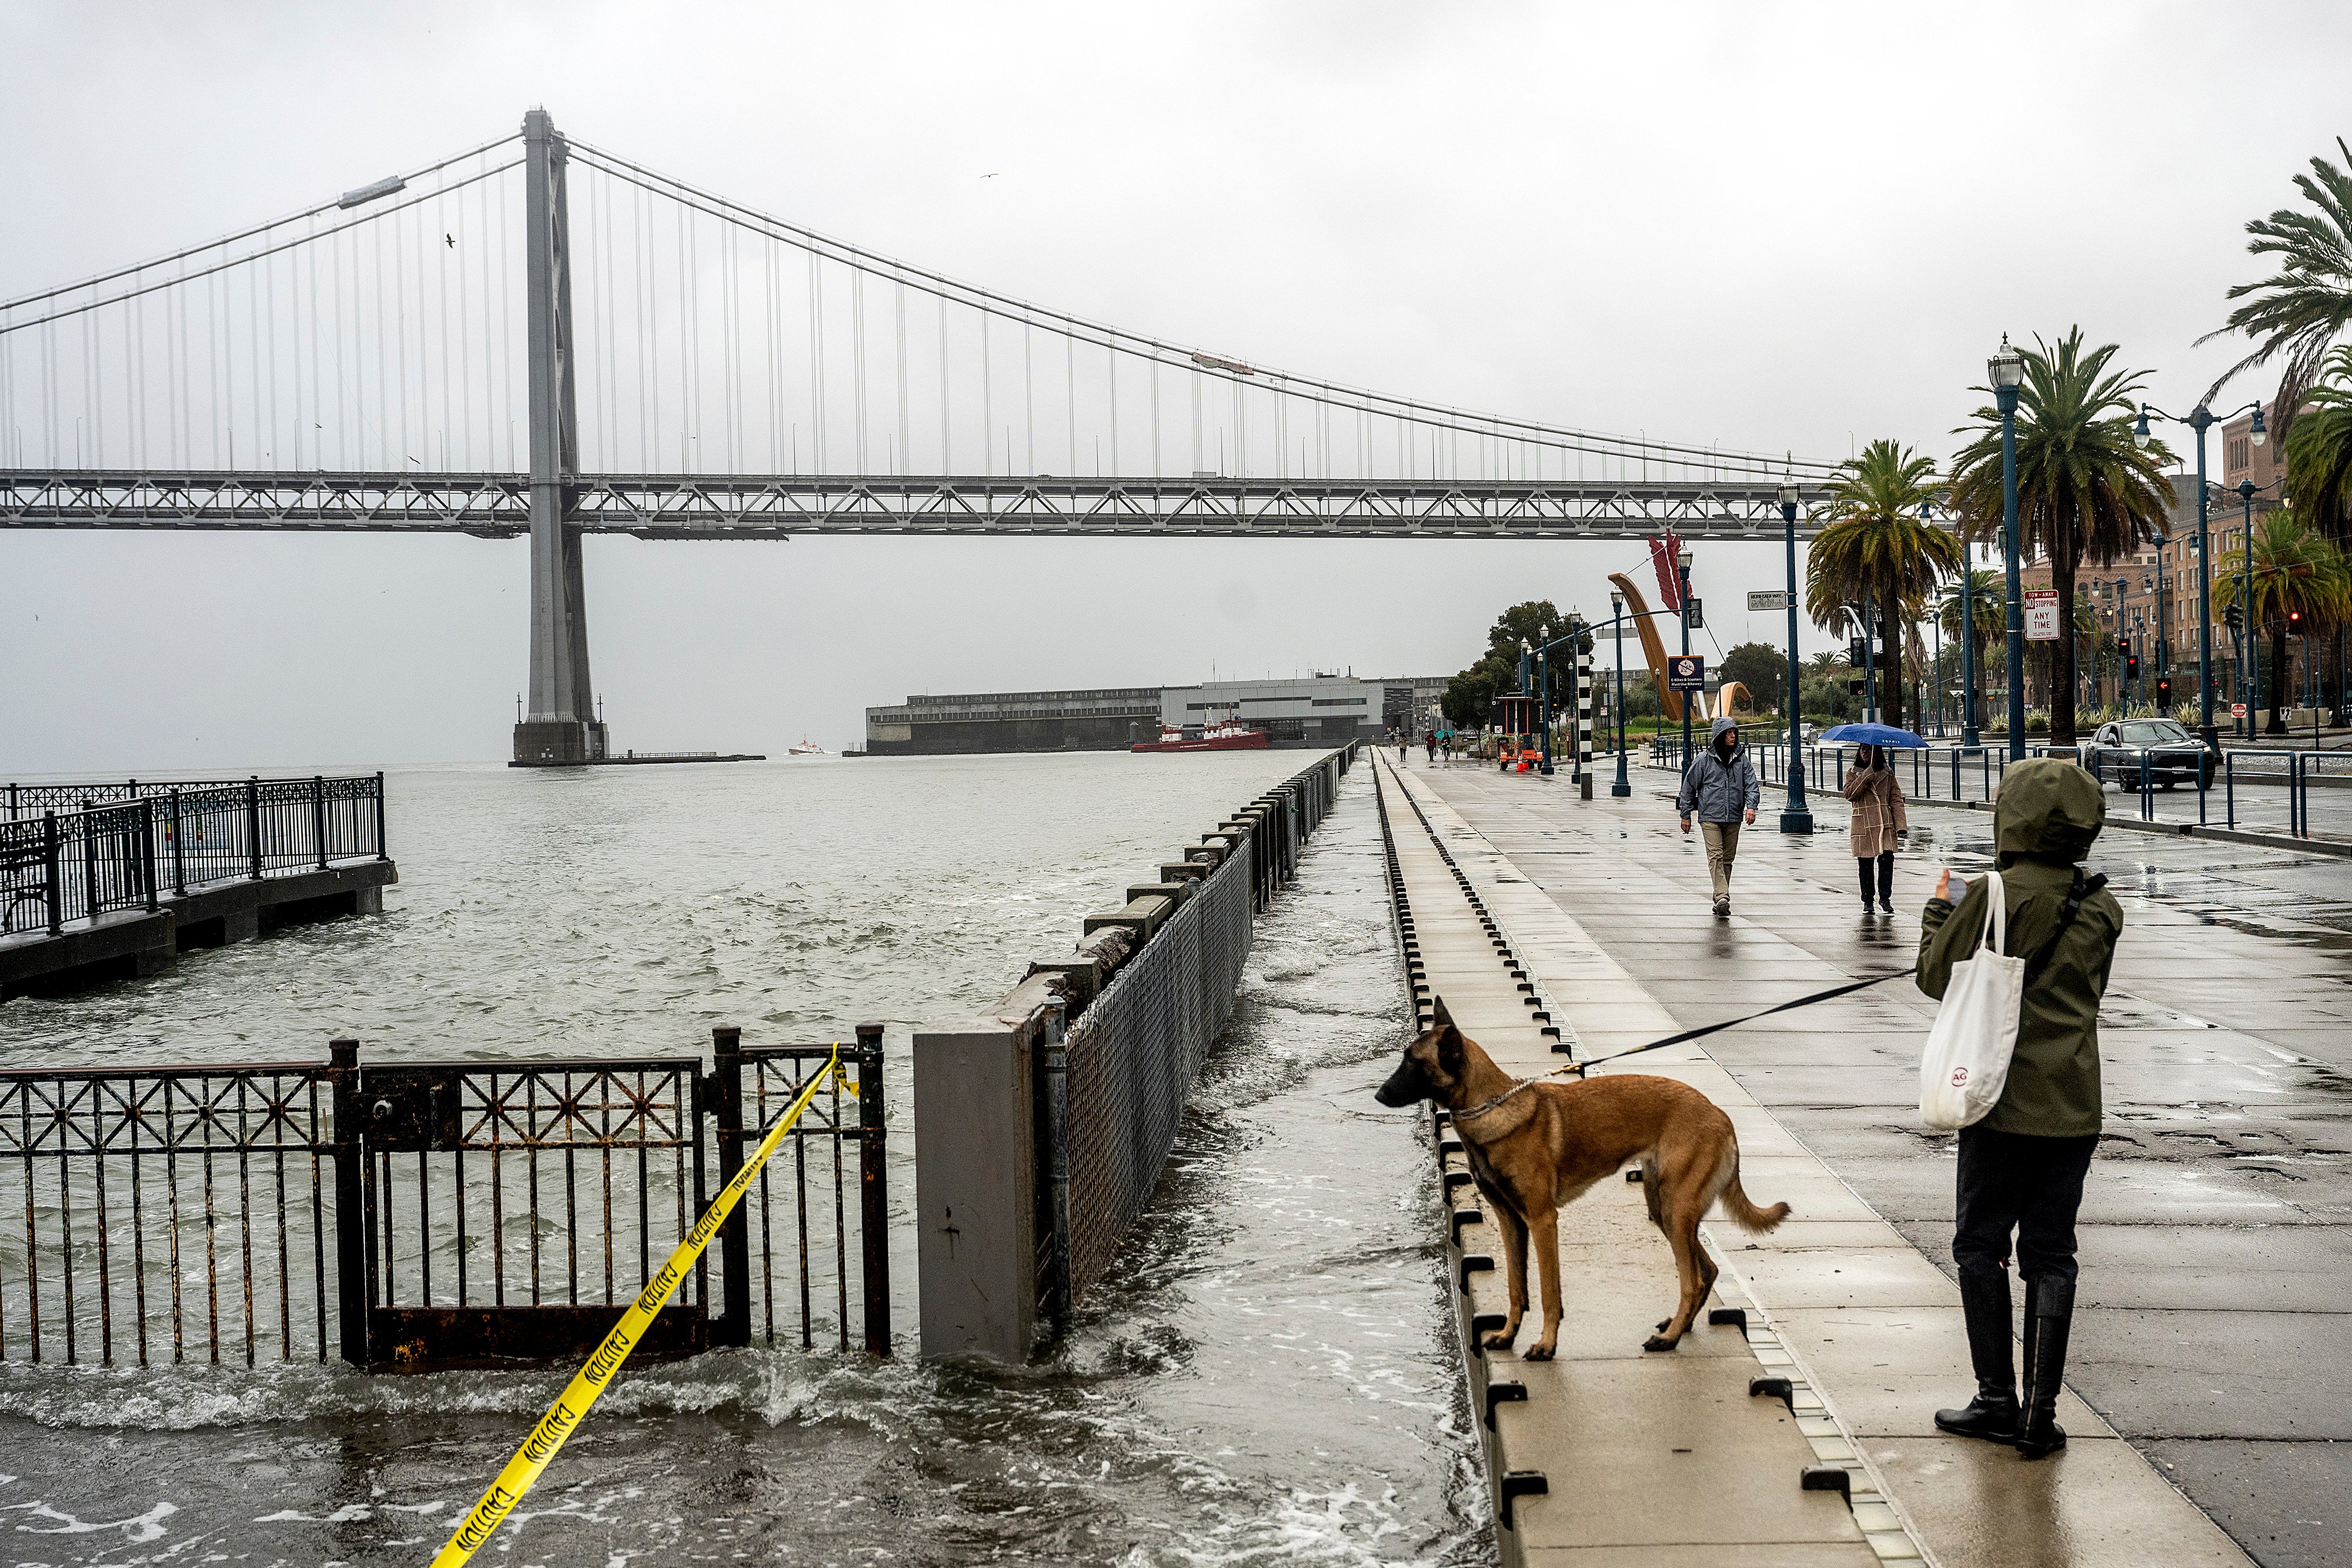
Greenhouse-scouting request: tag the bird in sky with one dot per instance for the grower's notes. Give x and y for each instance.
(452, 239)
(988, 176)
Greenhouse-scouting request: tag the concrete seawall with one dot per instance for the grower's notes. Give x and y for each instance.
(1042, 1124)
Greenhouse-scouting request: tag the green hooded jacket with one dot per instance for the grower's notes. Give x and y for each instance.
(2049, 812)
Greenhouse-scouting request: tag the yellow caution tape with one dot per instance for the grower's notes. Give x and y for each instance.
(571, 1408)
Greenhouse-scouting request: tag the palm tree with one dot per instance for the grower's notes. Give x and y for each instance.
(2319, 469)
(1876, 548)
(2297, 312)
(2294, 571)
(2085, 490)
(1988, 610)
(2319, 452)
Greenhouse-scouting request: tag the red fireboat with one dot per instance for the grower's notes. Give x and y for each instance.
(1226, 737)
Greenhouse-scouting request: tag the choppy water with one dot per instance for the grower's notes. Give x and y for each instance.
(1265, 1377)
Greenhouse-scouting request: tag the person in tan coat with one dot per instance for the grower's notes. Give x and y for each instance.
(1878, 816)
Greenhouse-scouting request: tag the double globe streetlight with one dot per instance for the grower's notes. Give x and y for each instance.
(2201, 419)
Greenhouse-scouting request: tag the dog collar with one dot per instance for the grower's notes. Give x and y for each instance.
(1575, 1067)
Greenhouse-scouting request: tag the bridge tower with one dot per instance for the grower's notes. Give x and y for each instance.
(560, 726)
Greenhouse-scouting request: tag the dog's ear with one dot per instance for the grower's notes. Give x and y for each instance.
(1441, 1019)
(1449, 1048)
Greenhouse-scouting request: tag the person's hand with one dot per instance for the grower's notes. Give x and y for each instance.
(1944, 886)
(1685, 824)
(1752, 816)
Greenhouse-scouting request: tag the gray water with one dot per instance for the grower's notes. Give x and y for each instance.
(1265, 1375)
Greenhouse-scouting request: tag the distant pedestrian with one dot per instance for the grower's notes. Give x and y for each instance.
(1405, 747)
(1429, 743)
(1878, 816)
(1722, 788)
(2021, 1167)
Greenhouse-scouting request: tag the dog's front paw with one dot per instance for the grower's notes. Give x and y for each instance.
(1500, 1339)
(1540, 1350)
(1659, 1342)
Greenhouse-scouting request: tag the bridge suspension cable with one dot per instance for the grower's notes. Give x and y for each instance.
(1670, 459)
(707, 339)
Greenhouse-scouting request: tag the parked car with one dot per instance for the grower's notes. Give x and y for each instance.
(2174, 755)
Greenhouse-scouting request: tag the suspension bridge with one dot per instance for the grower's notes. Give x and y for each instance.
(658, 361)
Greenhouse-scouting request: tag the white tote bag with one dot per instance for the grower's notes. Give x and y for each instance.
(1966, 1061)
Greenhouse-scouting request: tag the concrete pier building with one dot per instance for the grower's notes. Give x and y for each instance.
(1297, 712)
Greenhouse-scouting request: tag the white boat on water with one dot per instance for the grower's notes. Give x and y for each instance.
(807, 747)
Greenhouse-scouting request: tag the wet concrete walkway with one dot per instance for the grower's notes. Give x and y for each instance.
(2211, 1334)
(1644, 1460)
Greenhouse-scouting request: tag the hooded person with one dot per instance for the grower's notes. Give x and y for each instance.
(1721, 788)
(2021, 1167)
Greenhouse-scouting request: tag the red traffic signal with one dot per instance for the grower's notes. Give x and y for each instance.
(2295, 622)
(2164, 690)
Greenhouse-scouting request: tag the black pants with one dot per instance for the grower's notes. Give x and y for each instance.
(2009, 1181)
(1885, 865)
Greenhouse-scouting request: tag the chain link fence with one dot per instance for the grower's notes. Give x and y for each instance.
(1133, 1055)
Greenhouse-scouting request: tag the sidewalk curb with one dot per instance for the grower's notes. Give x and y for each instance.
(2184, 830)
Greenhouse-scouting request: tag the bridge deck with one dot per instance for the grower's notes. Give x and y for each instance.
(778, 505)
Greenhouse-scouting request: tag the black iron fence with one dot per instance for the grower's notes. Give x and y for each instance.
(410, 1216)
(74, 852)
(2241, 786)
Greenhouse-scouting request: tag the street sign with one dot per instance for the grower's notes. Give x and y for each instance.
(1697, 618)
(2041, 615)
(2237, 710)
(1768, 598)
(1685, 673)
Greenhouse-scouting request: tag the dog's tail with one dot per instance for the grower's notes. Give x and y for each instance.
(1734, 1201)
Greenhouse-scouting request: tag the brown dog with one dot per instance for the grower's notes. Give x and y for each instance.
(1534, 1146)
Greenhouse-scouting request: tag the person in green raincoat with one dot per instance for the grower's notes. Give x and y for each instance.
(2021, 1167)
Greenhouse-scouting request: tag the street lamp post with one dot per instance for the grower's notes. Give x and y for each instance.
(1794, 817)
(1681, 569)
(1543, 683)
(2250, 669)
(2200, 420)
(2007, 369)
(1623, 786)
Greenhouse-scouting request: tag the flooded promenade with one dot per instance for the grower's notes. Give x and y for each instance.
(1265, 1376)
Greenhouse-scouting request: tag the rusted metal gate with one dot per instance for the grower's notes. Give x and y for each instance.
(428, 1215)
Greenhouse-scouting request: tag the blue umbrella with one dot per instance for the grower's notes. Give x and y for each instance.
(1875, 735)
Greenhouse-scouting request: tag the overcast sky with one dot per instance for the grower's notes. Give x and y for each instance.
(1770, 226)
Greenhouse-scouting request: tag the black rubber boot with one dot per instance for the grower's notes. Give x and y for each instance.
(2049, 1317)
(1992, 1413)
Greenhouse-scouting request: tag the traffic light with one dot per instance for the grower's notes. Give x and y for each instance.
(2235, 617)
(2131, 666)
(1857, 653)
(2295, 622)
(2164, 691)
(1853, 686)
(2123, 643)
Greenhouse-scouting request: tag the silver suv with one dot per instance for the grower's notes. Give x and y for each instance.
(2174, 755)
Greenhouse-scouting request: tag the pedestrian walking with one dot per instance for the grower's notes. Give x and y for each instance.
(1878, 816)
(1429, 743)
(2021, 1167)
(1721, 787)
(1404, 747)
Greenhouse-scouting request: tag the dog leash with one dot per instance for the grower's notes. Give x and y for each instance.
(1577, 1068)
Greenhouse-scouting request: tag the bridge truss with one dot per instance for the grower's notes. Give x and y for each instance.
(770, 506)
